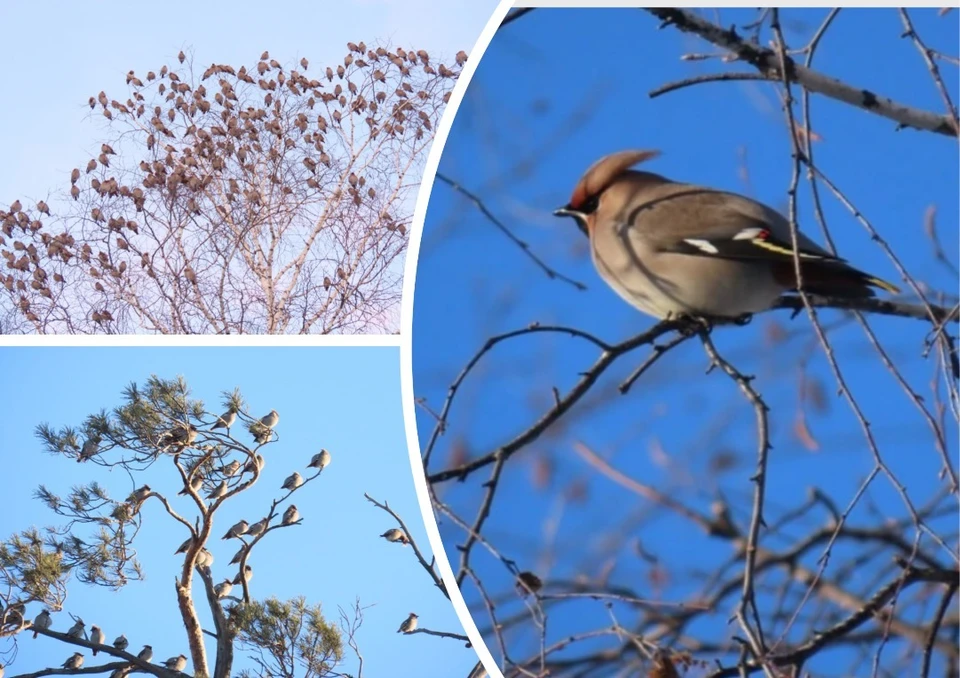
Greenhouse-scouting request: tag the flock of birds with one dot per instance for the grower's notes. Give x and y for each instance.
(182, 436)
(44, 620)
(198, 137)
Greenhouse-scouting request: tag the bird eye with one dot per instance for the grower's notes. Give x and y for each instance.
(590, 205)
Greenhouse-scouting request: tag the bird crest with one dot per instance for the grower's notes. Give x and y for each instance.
(604, 171)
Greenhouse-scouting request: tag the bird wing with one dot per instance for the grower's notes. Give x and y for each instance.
(704, 222)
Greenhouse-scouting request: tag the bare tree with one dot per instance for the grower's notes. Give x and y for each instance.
(748, 582)
(269, 199)
(401, 535)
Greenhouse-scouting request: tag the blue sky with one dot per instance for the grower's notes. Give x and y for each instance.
(343, 399)
(66, 53)
(555, 91)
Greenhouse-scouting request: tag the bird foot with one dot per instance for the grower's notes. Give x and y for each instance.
(690, 324)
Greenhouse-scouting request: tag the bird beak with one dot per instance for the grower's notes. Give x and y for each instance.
(568, 211)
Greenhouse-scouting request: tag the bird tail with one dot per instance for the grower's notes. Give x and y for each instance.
(832, 278)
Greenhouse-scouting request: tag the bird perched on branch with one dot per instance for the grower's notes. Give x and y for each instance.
(178, 663)
(291, 515)
(409, 624)
(230, 469)
(256, 462)
(258, 528)
(121, 643)
(146, 654)
(139, 494)
(96, 637)
(237, 530)
(78, 630)
(247, 576)
(293, 481)
(90, 448)
(179, 437)
(42, 621)
(223, 589)
(271, 419)
(218, 491)
(396, 535)
(225, 420)
(204, 558)
(674, 249)
(320, 460)
(184, 547)
(75, 661)
(195, 484)
(238, 556)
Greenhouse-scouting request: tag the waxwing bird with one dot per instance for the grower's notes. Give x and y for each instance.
(223, 589)
(184, 547)
(139, 494)
(121, 643)
(231, 469)
(409, 624)
(672, 249)
(42, 621)
(396, 535)
(247, 576)
(96, 637)
(258, 528)
(218, 491)
(238, 556)
(271, 419)
(293, 481)
(89, 449)
(291, 515)
(238, 529)
(204, 558)
(319, 460)
(180, 435)
(77, 630)
(75, 662)
(527, 583)
(195, 484)
(256, 462)
(146, 654)
(178, 663)
(225, 420)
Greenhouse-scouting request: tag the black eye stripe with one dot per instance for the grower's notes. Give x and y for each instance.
(590, 205)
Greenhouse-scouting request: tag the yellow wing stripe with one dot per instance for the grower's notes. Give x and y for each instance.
(759, 242)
